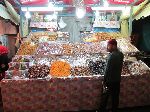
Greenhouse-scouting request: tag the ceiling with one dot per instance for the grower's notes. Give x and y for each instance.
(70, 2)
(69, 5)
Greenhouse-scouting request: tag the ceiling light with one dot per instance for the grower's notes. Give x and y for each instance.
(126, 11)
(108, 8)
(97, 13)
(50, 4)
(41, 9)
(28, 15)
(55, 15)
(80, 12)
(106, 4)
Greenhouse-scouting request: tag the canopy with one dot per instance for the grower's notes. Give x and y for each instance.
(4, 14)
(12, 12)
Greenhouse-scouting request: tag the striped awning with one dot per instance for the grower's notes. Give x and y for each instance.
(4, 14)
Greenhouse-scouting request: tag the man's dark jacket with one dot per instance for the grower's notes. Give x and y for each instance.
(114, 67)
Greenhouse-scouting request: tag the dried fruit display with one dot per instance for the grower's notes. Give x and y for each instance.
(49, 49)
(27, 48)
(60, 69)
(22, 58)
(67, 49)
(126, 47)
(101, 36)
(43, 36)
(18, 65)
(125, 68)
(38, 71)
(80, 71)
(97, 67)
(79, 48)
(63, 59)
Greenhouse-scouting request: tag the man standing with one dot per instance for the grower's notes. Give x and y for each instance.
(112, 77)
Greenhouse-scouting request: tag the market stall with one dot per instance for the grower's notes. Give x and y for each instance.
(50, 73)
(67, 76)
(70, 94)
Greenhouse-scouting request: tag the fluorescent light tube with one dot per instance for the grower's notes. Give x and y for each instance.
(32, 9)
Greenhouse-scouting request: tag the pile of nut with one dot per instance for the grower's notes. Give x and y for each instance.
(27, 48)
(125, 68)
(80, 71)
(98, 67)
(38, 71)
(51, 36)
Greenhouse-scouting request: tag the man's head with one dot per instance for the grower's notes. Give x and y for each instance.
(112, 45)
(0, 43)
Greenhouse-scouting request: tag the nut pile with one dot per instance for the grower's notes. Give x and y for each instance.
(80, 71)
(18, 65)
(50, 36)
(67, 49)
(19, 58)
(97, 67)
(27, 49)
(106, 36)
(125, 68)
(38, 71)
(49, 49)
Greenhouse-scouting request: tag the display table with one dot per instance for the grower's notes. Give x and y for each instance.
(70, 94)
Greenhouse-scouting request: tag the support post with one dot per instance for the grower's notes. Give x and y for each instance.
(21, 18)
(130, 21)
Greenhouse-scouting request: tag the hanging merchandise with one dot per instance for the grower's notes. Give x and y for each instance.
(61, 23)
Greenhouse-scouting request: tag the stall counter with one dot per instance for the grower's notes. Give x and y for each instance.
(70, 94)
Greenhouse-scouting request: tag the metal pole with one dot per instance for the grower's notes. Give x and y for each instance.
(130, 21)
(21, 22)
